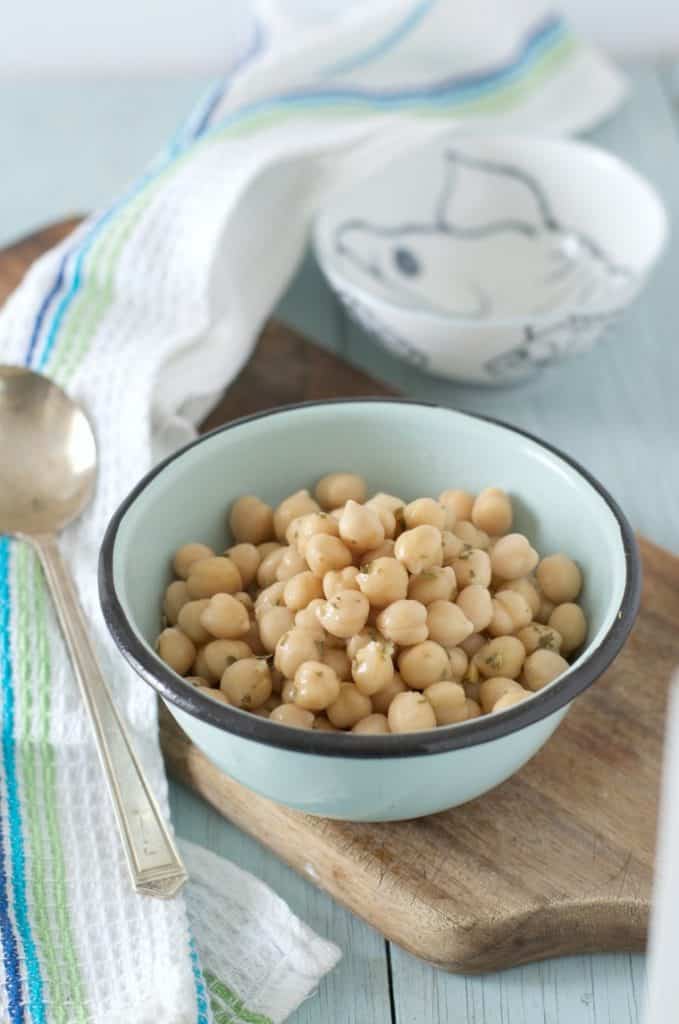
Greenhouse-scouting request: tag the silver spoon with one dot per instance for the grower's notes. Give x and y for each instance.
(48, 466)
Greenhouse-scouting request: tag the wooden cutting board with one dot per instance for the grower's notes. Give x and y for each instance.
(559, 858)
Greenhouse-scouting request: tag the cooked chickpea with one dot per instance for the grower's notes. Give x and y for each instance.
(251, 520)
(219, 654)
(272, 625)
(340, 579)
(410, 712)
(323, 724)
(501, 621)
(458, 662)
(541, 667)
(559, 578)
(247, 683)
(349, 708)
(176, 596)
(373, 725)
(298, 504)
(189, 621)
(372, 668)
(447, 624)
(508, 700)
(316, 686)
(290, 565)
(473, 709)
(225, 618)
(339, 488)
(301, 530)
(246, 601)
(469, 534)
(383, 698)
(448, 701)
(252, 639)
(187, 555)
(424, 512)
(545, 610)
(325, 554)
(268, 567)
(295, 647)
(301, 589)
(570, 622)
(266, 548)
(383, 581)
(383, 550)
(472, 644)
(339, 661)
(452, 547)
(359, 640)
(176, 650)
(473, 566)
(345, 614)
(288, 691)
(209, 576)
(492, 512)
(476, 605)
(389, 501)
(360, 527)
(246, 558)
(389, 525)
(513, 557)
(270, 597)
(200, 667)
(216, 695)
(460, 503)
(423, 664)
(492, 689)
(198, 681)
(527, 589)
(503, 656)
(436, 584)
(420, 549)
(517, 607)
(538, 637)
(290, 714)
(307, 618)
(404, 622)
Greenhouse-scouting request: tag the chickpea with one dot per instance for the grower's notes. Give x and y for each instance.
(436, 584)
(503, 656)
(517, 608)
(476, 605)
(187, 555)
(359, 640)
(251, 520)
(448, 701)
(388, 520)
(545, 610)
(349, 708)
(288, 692)
(209, 576)
(340, 579)
(410, 712)
(460, 503)
(372, 668)
(570, 622)
(336, 513)
(541, 667)
(339, 488)
(537, 637)
(266, 548)
(252, 639)
(501, 622)
(219, 654)
(527, 589)
(383, 582)
(340, 662)
(272, 625)
(270, 597)
(295, 647)
(469, 534)
(492, 512)
(458, 662)
(247, 683)
(383, 550)
(290, 714)
(198, 682)
(472, 644)
(473, 566)
(513, 557)
(472, 708)
(360, 527)
(404, 622)
(472, 690)
(372, 725)
(345, 614)
(301, 589)
(383, 698)
(246, 558)
(423, 664)
(508, 700)
(200, 667)
(189, 621)
(316, 686)
(447, 624)
(176, 596)
(290, 565)
(325, 554)
(277, 681)
(301, 530)
(225, 618)
(176, 650)
(420, 549)
(307, 619)
(559, 578)
(268, 567)
(298, 504)
(424, 512)
(452, 547)
(492, 689)
(216, 695)
(323, 724)
(389, 501)
(246, 601)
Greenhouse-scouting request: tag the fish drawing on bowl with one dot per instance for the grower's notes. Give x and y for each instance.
(490, 280)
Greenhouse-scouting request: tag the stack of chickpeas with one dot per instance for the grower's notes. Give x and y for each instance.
(338, 612)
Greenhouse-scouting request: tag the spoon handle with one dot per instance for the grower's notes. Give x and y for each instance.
(152, 858)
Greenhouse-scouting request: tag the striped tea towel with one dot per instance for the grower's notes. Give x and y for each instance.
(144, 314)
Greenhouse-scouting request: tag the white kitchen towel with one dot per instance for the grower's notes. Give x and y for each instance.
(144, 314)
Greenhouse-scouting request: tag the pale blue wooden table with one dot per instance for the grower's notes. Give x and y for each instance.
(67, 148)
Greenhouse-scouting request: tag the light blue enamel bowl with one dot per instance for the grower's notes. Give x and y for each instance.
(404, 448)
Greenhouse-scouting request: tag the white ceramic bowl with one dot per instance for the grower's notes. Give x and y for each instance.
(408, 449)
(485, 259)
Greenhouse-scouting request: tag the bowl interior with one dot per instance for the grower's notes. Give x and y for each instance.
(482, 230)
(405, 449)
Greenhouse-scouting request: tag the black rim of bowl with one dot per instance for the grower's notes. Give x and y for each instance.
(434, 741)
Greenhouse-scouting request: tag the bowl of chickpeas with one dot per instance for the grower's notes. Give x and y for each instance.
(369, 609)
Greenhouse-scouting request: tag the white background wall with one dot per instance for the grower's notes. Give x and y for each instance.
(151, 37)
